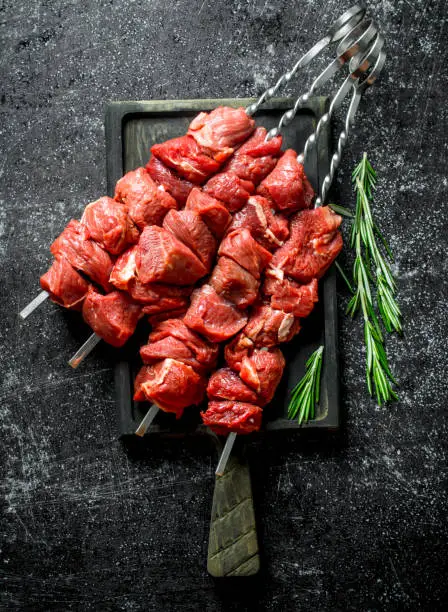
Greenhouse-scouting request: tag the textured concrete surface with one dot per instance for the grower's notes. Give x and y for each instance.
(355, 525)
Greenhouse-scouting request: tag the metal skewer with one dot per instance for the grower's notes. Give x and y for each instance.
(41, 297)
(340, 28)
(84, 350)
(147, 420)
(361, 76)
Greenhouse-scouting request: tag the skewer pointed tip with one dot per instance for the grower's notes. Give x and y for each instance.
(226, 451)
(147, 420)
(85, 349)
(41, 297)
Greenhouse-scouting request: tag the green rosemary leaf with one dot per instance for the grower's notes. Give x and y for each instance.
(340, 210)
(305, 395)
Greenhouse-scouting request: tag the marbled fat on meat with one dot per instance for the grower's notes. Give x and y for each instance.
(313, 245)
(213, 316)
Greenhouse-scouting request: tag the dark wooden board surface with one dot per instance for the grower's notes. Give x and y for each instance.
(131, 129)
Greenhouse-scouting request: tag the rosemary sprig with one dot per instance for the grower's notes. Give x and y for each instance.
(371, 269)
(305, 394)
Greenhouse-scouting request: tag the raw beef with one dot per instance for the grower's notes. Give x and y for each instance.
(163, 258)
(255, 159)
(166, 305)
(163, 316)
(225, 416)
(226, 384)
(221, 130)
(287, 185)
(153, 293)
(206, 353)
(172, 385)
(212, 212)
(262, 371)
(268, 327)
(236, 350)
(314, 244)
(65, 286)
(234, 283)
(228, 188)
(113, 316)
(83, 254)
(242, 248)
(289, 296)
(147, 203)
(213, 316)
(269, 229)
(170, 348)
(178, 187)
(184, 155)
(189, 228)
(109, 224)
(124, 269)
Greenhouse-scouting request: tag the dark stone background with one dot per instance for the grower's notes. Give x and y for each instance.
(354, 525)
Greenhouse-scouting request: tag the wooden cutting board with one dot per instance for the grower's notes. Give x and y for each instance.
(131, 129)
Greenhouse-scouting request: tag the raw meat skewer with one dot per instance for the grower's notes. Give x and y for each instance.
(228, 126)
(372, 62)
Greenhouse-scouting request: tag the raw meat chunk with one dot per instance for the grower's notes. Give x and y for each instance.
(212, 212)
(262, 371)
(170, 348)
(65, 286)
(255, 159)
(234, 283)
(287, 185)
(178, 187)
(163, 316)
(172, 385)
(124, 269)
(226, 384)
(163, 258)
(205, 352)
(268, 229)
(242, 248)
(109, 224)
(165, 305)
(236, 350)
(213, 316)
(184, 155)
(221, 129)
(268, 327)
(83, 254)
(289, 296)
(145, 374)
(147, 202)
(154, 293)
(228, 188)
(113, 316)
(189, 228)
(225, 416)
(314, 244)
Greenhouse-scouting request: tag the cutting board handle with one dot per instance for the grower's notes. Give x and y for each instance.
(233, 544)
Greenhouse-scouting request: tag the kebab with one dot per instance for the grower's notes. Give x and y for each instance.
(290, 287)
(109, 225)
(182, 351)
(230, 279)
